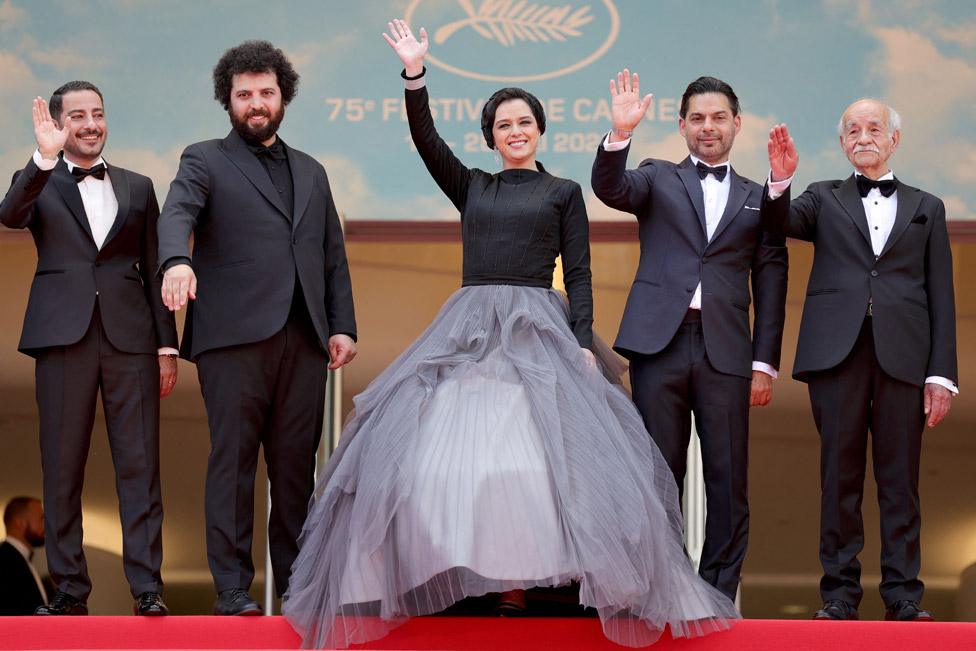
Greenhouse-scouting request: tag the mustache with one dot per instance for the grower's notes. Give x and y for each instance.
(258, 113)
(871, 148)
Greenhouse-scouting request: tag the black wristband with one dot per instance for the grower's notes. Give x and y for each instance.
(403, 73)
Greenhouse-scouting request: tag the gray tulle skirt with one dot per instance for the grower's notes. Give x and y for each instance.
(492, 456)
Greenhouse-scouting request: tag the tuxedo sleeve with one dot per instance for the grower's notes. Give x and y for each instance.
(941, 300)
(796, 219)
(575, 251)
(163, 319)
(187, 197)
(339, 307)
(618, 187)
(17, 208)
(770, 266)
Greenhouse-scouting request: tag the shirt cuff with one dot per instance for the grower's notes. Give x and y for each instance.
(765, 368)
(42, 163)
(776, 188)
(615, 146)
(169, 351)
(943, 382)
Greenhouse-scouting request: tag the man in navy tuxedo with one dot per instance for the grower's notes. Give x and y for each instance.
(685, 328)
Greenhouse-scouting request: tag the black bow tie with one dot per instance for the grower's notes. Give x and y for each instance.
(274, 152)
(886, 187)
(80, 172)
(718, 172)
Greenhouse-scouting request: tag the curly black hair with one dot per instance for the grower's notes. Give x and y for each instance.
(503, 95)
(253, 56)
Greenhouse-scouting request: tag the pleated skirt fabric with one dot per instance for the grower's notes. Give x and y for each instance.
(491, 456)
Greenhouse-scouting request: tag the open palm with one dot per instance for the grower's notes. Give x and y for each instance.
(408, 48)
(50, 137)
(627, 108)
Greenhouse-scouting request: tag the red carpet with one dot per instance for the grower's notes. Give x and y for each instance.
(442, 633)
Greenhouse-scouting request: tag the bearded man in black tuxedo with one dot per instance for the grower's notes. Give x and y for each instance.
(274, 310)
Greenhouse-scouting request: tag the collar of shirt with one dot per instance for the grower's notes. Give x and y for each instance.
(71, 165)
(889, 176)
(24, 550)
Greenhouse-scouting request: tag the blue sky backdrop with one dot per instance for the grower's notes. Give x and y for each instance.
(795, 61)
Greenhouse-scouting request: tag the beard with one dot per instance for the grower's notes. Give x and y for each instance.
(257, 136)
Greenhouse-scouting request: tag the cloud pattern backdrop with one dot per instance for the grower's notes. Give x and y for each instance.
(789, 60)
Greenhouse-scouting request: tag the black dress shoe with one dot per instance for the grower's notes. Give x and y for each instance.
(837, 609)
(63, 604)
(150, 604)
(907, 611)
(236, 602)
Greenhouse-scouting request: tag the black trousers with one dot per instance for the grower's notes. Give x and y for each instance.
(273, 393)
(68, 380)
(848, 401)
(668, 388)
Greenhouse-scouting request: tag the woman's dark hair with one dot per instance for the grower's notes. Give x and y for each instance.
(704, 85)
(253, 56)
(503, 95)
(55, 104)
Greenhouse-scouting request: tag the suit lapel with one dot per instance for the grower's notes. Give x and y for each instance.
(850, 199)
(120, 186)
(68, 187)
(301, 178)
(689, 176)
(909, 199)
(236, 150)
(738, 193)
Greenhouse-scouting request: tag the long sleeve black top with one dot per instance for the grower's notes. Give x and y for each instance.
(513, 223)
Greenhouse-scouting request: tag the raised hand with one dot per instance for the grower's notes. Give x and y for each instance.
(627, 107)
(783, 158)
(408, 48)
(50, 137)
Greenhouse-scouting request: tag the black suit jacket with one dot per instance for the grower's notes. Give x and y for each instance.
(675, 254)
(71, 270)
(909, 284)
(248, 250)
(19, 594)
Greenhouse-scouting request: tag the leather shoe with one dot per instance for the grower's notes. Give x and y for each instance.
(838, 610)
(150, 604)
(907, 611)
(236, 602)
(63, 604)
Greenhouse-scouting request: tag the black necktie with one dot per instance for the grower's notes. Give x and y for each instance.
(80, 172)
(718, 172)
(886, 187)
(274, 152)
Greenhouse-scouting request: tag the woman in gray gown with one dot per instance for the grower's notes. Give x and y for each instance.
(495, 454)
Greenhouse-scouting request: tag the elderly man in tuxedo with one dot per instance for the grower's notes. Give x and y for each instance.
(95, 323)
(686, 327)
(877, 347)
(274, 310)
(21, 588)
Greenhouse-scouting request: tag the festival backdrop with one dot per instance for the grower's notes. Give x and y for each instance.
(794, 61)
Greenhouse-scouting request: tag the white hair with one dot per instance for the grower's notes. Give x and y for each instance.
(894, 120)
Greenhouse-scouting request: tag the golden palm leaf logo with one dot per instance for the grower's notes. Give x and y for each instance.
(508, 21)
(568, 28)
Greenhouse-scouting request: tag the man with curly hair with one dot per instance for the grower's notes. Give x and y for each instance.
(274, 309)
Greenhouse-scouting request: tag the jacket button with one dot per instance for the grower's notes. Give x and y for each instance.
(294, 241)
(874, 273)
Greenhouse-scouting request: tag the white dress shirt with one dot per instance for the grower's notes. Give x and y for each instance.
(716, 196)
(25, 551)
(880, 212)
(101, 206)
